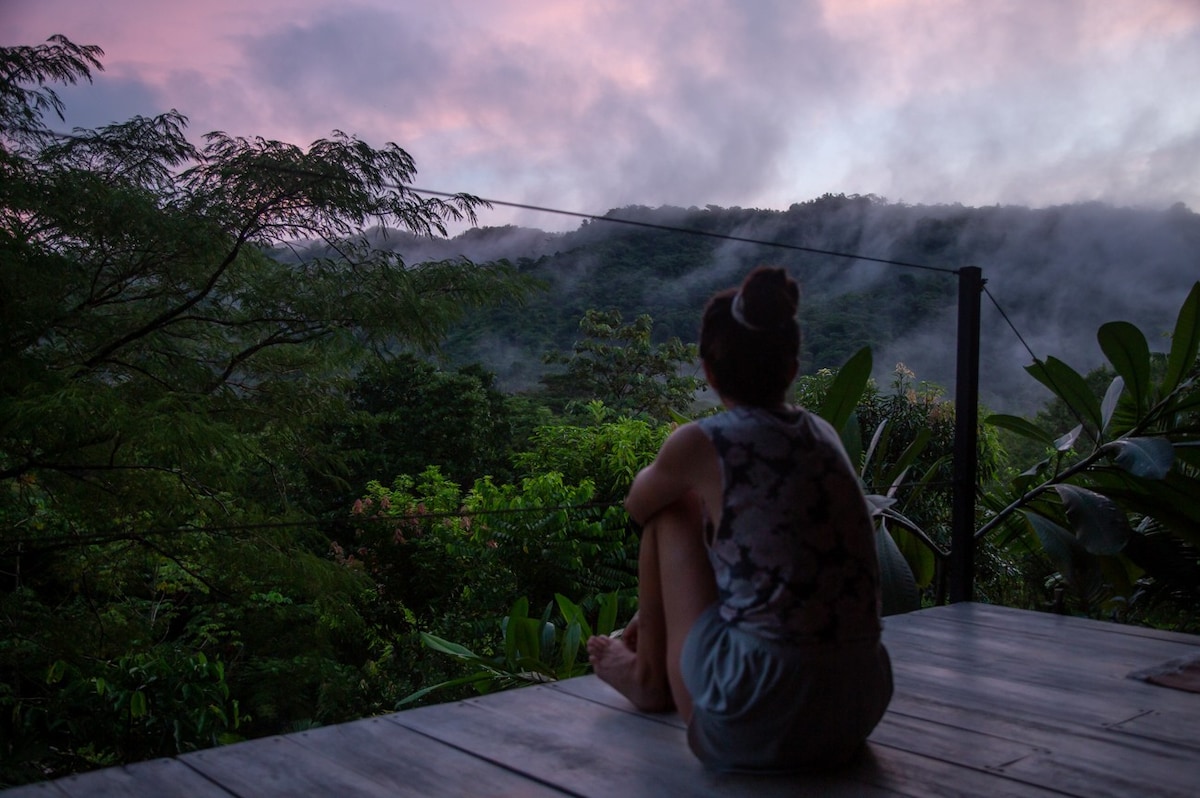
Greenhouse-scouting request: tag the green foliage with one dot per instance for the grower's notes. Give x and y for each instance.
(446, 562)
(532, 650)
(151, 340)
(23, 108)
(609, 450)
(168, 364)
(451, 556)
(404, 413)
(1112, 504)
(904, 465)
(619, 365)
(160, 701)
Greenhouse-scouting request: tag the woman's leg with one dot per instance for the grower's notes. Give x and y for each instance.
(675, 585)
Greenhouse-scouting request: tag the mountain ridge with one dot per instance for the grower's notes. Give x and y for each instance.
(1055, 273)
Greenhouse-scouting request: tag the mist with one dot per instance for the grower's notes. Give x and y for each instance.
(1052, 276)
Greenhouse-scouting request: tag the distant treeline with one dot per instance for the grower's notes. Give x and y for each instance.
(1057, 272)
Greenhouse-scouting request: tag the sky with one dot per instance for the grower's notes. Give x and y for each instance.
(588, 106)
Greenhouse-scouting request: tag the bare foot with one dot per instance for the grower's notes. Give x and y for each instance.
(617, 665)
(630, 633)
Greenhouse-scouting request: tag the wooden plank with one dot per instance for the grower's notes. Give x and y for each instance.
(1178, 726)
(1012, 699)
(1052, 748)
(411, 764)
(1078, 759)
(600, 750)
(989, 701)
(949, 744)
(1087, 776)
(1094, 693)
(278, 766)
(593, 750)
(1102, 663)
(1039, 623)
(168, 778)
(1057, 645)
(1061, 698)
(41, 789)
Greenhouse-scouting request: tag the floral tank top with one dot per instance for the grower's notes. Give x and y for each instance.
(794, 555)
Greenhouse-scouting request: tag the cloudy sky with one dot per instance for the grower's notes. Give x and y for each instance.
(592, 105)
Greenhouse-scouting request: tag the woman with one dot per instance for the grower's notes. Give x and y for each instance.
(758, 578)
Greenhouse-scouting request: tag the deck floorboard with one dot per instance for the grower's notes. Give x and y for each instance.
(989, 701)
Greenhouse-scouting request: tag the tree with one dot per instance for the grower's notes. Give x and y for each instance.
(147, 326)
(619, 365)
(404, 414)
(173, 321)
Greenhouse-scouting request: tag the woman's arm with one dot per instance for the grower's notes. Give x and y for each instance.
(686, 462)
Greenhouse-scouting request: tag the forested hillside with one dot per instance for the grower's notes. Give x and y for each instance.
(1058, 273)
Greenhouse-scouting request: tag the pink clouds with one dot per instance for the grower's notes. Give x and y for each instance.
(599, 104)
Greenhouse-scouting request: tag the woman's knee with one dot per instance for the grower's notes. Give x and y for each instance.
(685, 515)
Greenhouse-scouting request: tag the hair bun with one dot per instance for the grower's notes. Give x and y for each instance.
(769, 298)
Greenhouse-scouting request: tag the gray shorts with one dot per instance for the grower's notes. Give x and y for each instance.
(764, 706)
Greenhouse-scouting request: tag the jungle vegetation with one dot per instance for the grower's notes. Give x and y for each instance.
(254, 479)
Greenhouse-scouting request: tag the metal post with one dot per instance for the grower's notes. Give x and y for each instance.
(966, 433)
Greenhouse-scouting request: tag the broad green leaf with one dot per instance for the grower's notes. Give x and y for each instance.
(899, 587)
(879, 435)
(137, 705)
(608, 613)
(518, 638)
(529, 638)
(1126, 349)
(677, 417)
(570, 645)
(1069, 386)
(1099, 524)
(921, 560)
(1151, 458)
(909, 455)
(1060, 545)
(878, 503)
(1111, 397)
(1187, 400)
(474, 678)
(55, 672)
(847, 388)
(1170, 501)
(569, 609)
(1185, 341)
(446, 647)
(573, 613)
(894, 485)
(1021, 427)
(1067, 441)
(851, 437)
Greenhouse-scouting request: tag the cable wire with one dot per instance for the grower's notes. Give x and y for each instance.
(692, 231)
(1037, 361)
(579, 215)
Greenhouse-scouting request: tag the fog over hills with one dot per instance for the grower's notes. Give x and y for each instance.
(1058, 273)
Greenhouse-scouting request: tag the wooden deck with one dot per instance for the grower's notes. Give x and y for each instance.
(989, 702)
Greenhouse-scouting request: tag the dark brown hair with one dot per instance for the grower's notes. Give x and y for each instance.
(750, 338)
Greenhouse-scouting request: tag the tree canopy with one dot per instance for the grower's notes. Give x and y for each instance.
(148, 317)
(176, 319)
